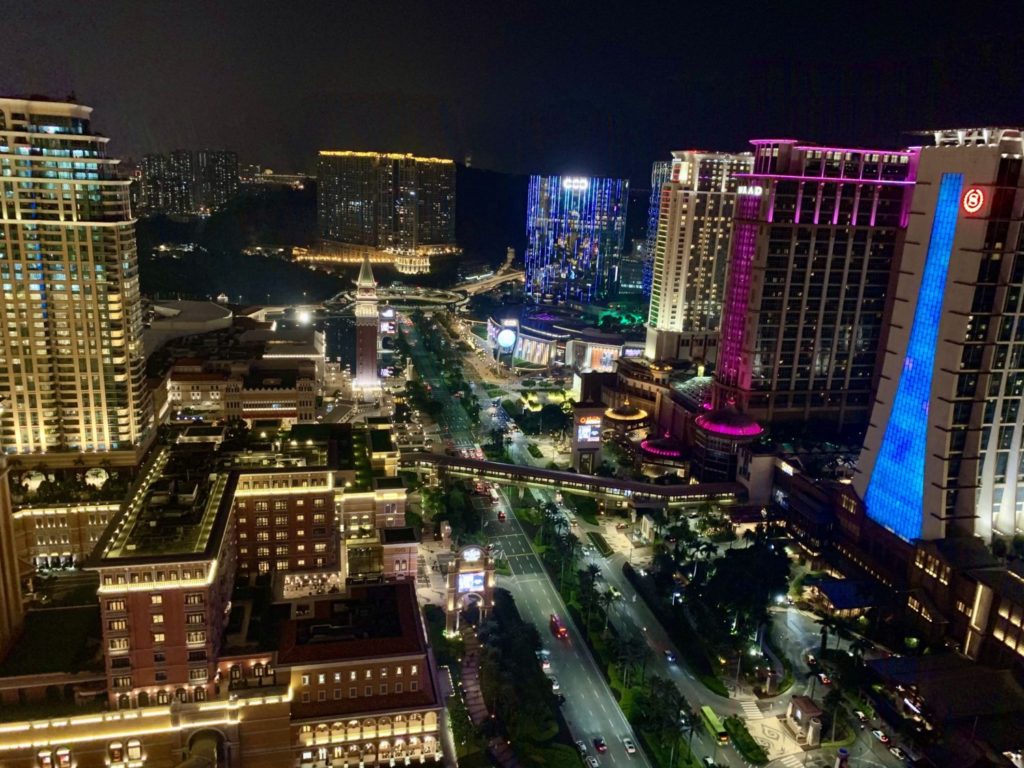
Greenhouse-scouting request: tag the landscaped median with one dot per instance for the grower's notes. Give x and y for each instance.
(741, 739)
(600, 544)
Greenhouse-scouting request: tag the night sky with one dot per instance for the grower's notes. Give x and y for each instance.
(601, 88)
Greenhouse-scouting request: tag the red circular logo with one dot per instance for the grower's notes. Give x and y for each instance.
(974, 200)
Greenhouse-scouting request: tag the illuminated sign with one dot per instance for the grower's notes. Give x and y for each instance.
(510, 323)
(388, 327)
(387, 313)
(575, 183)
(752, 191)
(589, 430)
(472, 554)
(974, 200)
(471, 582)
(506, 338)
(387, 373)
(632, 352)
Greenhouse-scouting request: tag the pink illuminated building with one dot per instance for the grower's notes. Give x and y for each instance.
(816, 239)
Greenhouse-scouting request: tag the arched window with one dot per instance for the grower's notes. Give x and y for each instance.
(116, 751)
(134, 749)
(200, 694)
(123, 701)
(258, 670)
(236, 672)
(143, 699)
(162, 697)
(45, 759)
(181, 695)
(63, 758)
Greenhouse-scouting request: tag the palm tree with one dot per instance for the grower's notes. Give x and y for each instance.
(828, 624)
(859, 646)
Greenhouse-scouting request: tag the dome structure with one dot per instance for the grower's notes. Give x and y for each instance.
(729, 422)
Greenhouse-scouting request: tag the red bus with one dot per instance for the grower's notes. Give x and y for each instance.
(558, 629)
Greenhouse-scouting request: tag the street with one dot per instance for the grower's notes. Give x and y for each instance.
(591, 709)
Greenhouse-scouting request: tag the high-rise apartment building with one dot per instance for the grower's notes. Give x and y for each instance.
(71, 359)
(217, 178)
(372, 201)
(661, 172)
(943, 451)
(186, 183)
(815, 243)
(691, 249)
(575, 229)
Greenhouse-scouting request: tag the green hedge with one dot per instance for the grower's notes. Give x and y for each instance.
(744, 742)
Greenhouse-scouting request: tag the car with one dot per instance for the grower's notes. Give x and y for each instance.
(709, 763)
(860, 716)
(599, 744)
(545, 663)
(620, 526)
(670, 656)
(825, 679)
(630, 746)
(592, 762)
(554, 684)
(811, 661)
(898, 753)
(880, 735)
(501, 516)
(581, 745)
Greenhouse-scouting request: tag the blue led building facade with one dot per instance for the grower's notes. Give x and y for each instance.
(895, 494)
(661, 173)
(575, 231)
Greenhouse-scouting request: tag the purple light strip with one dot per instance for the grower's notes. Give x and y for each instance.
(860, 151)
(756, 142)
(646, 445)
(832, 179)
(748, 430)
(737, 292)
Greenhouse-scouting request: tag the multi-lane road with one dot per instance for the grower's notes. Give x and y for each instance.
(590, 706)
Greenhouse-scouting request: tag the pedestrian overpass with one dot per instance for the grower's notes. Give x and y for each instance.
(622, 491)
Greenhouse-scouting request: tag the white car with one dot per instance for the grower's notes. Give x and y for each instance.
(554, 684)
(592, 762)
(630, 746)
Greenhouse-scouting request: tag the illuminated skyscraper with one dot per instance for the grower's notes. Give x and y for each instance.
(216, 178)
(815, 243)
(575, 231)
(71, 359)
(387, 201)
(691, 250)
(661, 172)
(944, 449)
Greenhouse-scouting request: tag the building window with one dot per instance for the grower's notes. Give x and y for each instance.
(115, 605)
(398, 687)
(156, 599)
(305, 679)
(414, 685)
(369, 690)
(118, 644)
(158, 638)
(117, 625)
(158, 618)
(116, 752)
(352, 692)
(194, 598)
(337, 693)
(134, 749)
(321, 696)
(195, 618)
(305, 697)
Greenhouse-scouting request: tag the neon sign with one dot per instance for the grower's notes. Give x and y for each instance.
(575, 183)
(974, 200)
(753, 191)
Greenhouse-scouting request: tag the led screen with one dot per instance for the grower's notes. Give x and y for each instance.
(471, 582)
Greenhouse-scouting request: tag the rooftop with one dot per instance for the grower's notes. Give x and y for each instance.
(406, 535)
(176, 513)
(371, 620)
(57, 640)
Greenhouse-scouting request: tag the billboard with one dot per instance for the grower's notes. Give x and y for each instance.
(588, 429)
(473, 581)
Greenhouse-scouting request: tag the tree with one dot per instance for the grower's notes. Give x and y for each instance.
(833, 702)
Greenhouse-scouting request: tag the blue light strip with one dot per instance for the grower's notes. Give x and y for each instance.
(895, 492)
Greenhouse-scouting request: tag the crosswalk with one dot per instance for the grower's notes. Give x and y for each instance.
(750, 710)
(790, 761)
